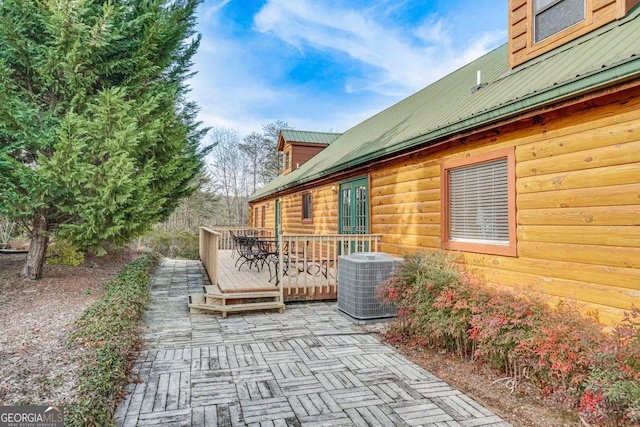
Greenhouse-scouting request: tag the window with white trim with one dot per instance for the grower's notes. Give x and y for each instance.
(552, 16)
(479, 203)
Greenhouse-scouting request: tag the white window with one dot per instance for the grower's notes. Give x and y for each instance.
(479, 203)
(552, 16)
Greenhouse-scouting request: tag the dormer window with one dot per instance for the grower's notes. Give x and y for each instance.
(553, 16)
(299, 146)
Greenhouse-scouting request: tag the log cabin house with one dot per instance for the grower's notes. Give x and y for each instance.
(526, 161)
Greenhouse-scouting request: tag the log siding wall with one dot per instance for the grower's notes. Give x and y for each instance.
(577, 198)
(578, 206)
(269, 219)
(324, 211)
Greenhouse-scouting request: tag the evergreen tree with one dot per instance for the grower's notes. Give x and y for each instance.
(97, 141)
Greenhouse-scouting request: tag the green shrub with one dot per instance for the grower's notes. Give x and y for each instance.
(181, 244)
(63, 252)
(520, 334)
(108, 330)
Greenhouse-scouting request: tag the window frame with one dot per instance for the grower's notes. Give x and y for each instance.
(263, 218)
(552, 37)
(307, 220)
(485, 248)
(286, 163)
(255, 217)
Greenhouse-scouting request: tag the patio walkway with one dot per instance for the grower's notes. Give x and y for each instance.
(306, 367)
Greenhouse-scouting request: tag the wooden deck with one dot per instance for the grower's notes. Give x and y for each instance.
(304, 287)
(245, 280)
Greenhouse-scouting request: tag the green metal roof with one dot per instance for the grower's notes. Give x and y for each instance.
(308, 137)
(603, 57)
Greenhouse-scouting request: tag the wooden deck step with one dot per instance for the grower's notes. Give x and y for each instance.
(214, 292)
(197, 304)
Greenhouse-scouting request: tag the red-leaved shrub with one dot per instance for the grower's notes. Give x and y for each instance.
(521, 334)
(560, 352)
(613, 384)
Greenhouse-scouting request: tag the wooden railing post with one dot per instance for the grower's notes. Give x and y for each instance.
(213, 249)
(208, 246)
(281, 265)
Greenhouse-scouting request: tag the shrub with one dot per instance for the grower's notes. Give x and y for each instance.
(565, 354)
(613, 385)
(434, 301)
(63, 252)
(501, 323)
(108, 330)
(181, 244)
(560, 351)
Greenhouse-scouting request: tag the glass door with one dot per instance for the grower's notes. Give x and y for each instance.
(354, 209)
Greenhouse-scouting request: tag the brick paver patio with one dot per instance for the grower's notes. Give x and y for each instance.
(306, 367)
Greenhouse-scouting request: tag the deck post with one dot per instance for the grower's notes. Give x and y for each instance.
(281, 269)
(208, 246)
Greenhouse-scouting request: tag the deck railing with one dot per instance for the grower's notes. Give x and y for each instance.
(209, 244)
(225, 241)
(308, 263)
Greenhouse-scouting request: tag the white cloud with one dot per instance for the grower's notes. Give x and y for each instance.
(398, 64)
(481, 45)
(243, 81)
(432, 32)
(207, 12)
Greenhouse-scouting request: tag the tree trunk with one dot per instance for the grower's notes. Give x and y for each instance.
(38, 249)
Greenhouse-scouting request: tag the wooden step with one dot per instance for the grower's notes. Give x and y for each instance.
(197, 304)
(213, 292)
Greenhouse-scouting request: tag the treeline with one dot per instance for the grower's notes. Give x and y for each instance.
(236, 168)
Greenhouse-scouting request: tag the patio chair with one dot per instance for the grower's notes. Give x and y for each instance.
(247, 250)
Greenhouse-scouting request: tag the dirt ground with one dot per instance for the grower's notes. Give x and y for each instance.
(36, 366)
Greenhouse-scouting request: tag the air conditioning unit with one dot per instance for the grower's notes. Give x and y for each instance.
(358, 276)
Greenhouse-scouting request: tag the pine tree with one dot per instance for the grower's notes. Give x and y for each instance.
(97, 140)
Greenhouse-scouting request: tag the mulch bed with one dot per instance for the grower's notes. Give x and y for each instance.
(522, 406)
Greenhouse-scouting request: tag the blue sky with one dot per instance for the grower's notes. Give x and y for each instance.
(326, 65)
